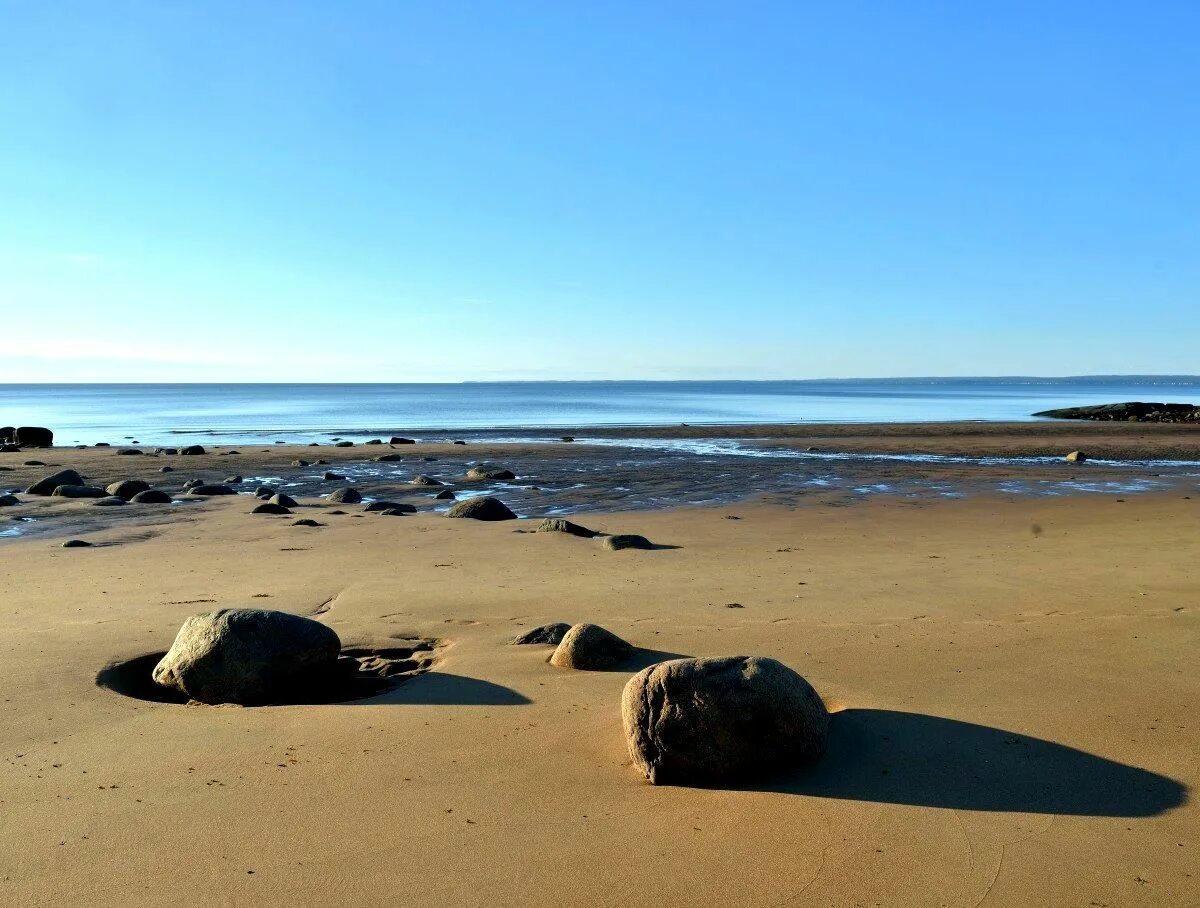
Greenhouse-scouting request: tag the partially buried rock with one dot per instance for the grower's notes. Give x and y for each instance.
(268, 508)
(345, 495)
(333, 477)
(166, 469)
(265, 491)
(7, 501)
(374, 441)
(301, 463)
(109, 501)
(397, 440)
(546, 634)
(389, 458)
(76, 544)
(344, 444)
(444, 495)
(722, 720)
(306, 522)
(482, 509)
(151, 496)
(127, 488)
(203, 491)
(428, 481)
(591, 648)
(486, 474)
(53, 481)
(627, 541)
(34, 463)
(390, 506)
(192, 449)
(393, 512)
(1076, 457)
(283, 500)
(558, 525)
(232, 480)
(78, 492)
(248, 656)
(128, 452)
(192, 483)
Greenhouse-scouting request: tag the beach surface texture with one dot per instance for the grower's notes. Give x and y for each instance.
(1008, 672)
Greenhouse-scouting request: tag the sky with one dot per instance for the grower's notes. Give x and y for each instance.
(389, 191)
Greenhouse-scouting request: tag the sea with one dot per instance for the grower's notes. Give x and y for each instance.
(186, 413)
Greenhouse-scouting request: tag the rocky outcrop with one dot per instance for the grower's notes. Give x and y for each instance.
(721, 721)
(248, 656)
(1129, 411)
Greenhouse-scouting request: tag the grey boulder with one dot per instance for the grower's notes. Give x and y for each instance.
(721, 720)
(482, 509)
(47, 485)
(591, 648)
(247, 656)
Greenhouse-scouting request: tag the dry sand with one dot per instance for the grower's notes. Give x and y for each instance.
(1013, 680)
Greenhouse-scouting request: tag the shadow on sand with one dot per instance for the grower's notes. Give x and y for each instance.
(908, 758)
(133, 678)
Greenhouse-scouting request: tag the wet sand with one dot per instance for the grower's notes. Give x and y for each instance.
(1011, 680)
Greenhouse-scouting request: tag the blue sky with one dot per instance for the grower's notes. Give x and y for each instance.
(389, 191)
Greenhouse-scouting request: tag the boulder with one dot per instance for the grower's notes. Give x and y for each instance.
(444, 495)
(265, 491)
(389, 458)
(204, 490)
(192, 483)
(127, 488)
(109, 501)
(390, 506)
(333, 477)
(151, 496)
(345, 495)
(1076, 457)
(283, 500)
(558, 525)
(231, 480)
(10, 449)
(192, 449)
(269, 508)
(166, 469)
(591, 648)
(488, 474)
(482, 509)
(627, 541)
(301, 463)
(722, 720)
(248, 656)
(34, 463)
(458, 441)
(306, 522)
(168, 451)
(551, 634)
(373, 441)
(76, 544)
(428, 481)
(53, 481)
(567, 438)
(78, 492)
(397, 440)
(8, 434)
(33, 437)
(344, 444)
(129, 452)
(7, 501)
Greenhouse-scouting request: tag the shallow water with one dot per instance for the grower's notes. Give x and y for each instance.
(179, 414)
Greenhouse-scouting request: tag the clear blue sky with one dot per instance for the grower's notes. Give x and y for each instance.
(436, 191)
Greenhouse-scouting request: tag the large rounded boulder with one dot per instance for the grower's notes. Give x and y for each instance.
(34, 437)
(345, 495)
(47, 485)
(127, 488)
(482, 509)
(721, 721)
(591, 648)
(248, 656)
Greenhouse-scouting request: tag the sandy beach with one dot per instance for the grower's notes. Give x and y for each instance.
(1009, 676)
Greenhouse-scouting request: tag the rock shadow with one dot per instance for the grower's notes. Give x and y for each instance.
(895, 757)
(445, 689)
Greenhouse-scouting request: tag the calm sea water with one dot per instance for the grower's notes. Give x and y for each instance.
(230, 412)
